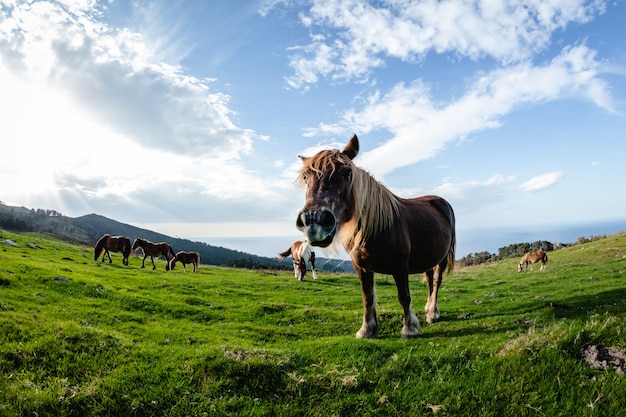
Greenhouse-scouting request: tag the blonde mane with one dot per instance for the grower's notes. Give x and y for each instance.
(375, 206)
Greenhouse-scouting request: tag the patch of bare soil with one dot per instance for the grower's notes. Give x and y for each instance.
(606, 358)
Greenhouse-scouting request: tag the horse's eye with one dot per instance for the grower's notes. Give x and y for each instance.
(347, 174)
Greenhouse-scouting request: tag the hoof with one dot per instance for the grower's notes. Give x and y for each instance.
(432, 318)
(409, 333)
(365, 333)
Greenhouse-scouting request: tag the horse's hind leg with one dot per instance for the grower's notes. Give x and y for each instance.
(433, 280)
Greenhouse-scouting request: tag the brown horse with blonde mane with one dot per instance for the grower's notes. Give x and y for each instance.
(380, 231)
(533, 257)
(301, 253)
(114, 244)
(185, 258)
(153, 249)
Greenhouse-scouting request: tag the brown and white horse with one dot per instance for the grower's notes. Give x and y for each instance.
(112, 243)
(185, 258)
(301, 253)
(153, 249)
(380, 231)
(533, 257)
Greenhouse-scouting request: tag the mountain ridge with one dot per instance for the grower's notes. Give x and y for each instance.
(87, 229)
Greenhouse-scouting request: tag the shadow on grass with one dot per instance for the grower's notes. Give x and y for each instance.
(613, 301)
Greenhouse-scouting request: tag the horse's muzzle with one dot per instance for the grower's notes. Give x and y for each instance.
(319, 226)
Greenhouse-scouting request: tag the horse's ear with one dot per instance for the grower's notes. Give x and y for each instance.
(352, 148)
(303, 158)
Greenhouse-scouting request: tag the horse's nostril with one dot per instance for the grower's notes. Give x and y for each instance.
(326, 218)
(299, 221)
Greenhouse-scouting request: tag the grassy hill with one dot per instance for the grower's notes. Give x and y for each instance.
(86, 230)
(91, 339)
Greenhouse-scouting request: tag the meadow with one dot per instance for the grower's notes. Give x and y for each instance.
(83, 338)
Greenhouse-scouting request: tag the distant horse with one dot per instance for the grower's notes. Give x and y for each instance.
(380, 231)
(112, 243)
(301, 253)
(531, 258)
(185, 258)
(153, 249)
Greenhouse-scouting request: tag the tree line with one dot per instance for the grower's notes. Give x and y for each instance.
(517, 250)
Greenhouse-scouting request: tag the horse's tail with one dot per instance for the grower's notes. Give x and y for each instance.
(451, 254)
(284, 254)
(452, 251)
(127, 248)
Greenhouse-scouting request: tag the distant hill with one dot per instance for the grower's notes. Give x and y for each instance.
(89, 228)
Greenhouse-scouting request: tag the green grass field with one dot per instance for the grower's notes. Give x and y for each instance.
(82, 338)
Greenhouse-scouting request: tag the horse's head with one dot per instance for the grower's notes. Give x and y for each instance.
(136, 244)
(328, 178)
(169, 266)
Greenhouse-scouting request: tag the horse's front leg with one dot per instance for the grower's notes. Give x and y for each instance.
(153, 265)
(302, 269)
(411, 326)
(143, 261)
(368, 292)
(107, 253)
(313, 270)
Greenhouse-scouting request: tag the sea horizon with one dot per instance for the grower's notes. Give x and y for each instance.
(469, 240)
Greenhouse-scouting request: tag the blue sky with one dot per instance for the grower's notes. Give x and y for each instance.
(187, 117)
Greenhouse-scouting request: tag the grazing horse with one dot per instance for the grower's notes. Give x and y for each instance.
(153, 249)
(112, 243)
(185, 258)
(533, 257)
(380, 231)
(301, 253)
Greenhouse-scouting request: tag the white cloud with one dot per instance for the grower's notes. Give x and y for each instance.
(507, 31)
(420, 126)
(470, 196)
(543, 181)
(114, 76)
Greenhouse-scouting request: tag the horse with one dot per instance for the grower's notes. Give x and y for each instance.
(153, 249)
(112, 243)
(301, 253)
(381, 232)
(533, 257)
(185, 258)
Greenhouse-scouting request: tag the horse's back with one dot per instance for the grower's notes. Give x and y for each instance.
(422, 237)
(438, 203)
